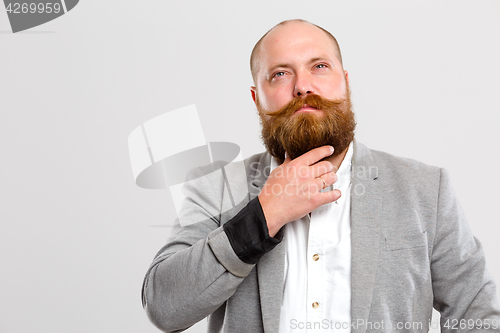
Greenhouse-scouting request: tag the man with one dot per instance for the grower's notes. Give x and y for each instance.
(336, 237)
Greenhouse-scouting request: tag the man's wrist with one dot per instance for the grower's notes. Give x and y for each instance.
(248, 233)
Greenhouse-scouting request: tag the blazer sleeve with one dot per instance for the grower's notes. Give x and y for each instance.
(208, 254)
(197, 270)
(464, 291)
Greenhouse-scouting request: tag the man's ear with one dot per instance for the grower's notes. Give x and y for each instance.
(253, 90)
(346, 77)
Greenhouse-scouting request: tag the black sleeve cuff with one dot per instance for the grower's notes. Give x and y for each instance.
(248, 234)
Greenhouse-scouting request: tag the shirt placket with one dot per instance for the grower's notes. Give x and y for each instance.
(316, 271)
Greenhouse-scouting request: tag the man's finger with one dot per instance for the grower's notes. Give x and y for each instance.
(330, 178)
(326, 180)
(321, 168)
(315, 155)
(330, 196)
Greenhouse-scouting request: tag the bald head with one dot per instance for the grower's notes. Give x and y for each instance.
(254, 58)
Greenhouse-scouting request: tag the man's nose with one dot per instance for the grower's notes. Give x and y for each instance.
(303, 86)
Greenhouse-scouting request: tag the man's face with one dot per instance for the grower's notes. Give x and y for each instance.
(302, 92)
(296, 59)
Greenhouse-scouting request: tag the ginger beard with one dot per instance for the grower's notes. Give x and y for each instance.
(297, 134)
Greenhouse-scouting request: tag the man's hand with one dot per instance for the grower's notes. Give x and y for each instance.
(293, 189)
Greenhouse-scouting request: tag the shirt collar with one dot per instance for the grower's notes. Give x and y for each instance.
(344, 171)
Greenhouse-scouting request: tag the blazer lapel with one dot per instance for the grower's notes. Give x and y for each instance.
(270, 268)
(365, 229)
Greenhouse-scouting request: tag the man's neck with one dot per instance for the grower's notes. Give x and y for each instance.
(337, 160)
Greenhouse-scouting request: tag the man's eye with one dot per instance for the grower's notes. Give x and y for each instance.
(320, 66)
(278, 74)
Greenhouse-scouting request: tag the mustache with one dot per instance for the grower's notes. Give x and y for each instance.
(313, 100)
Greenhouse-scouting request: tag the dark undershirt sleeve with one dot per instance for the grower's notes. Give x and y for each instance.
(248, 234)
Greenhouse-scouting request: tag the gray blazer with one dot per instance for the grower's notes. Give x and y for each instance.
(412, 250)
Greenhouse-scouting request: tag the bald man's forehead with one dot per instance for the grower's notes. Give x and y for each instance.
(289, 28)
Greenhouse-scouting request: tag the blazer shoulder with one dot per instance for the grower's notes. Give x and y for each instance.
(404, 164)
(392, 168)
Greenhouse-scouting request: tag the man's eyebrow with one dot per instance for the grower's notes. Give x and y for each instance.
(285, 65)
(319, 59)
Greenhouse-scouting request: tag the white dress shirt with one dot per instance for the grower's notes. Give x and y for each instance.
(317, 288)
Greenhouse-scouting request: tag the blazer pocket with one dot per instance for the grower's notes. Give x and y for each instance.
(409, 241)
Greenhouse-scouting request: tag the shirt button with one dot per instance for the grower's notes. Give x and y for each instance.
(315, 257)
(315, 305)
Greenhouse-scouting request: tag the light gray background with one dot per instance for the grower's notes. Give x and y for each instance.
(76, 231)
